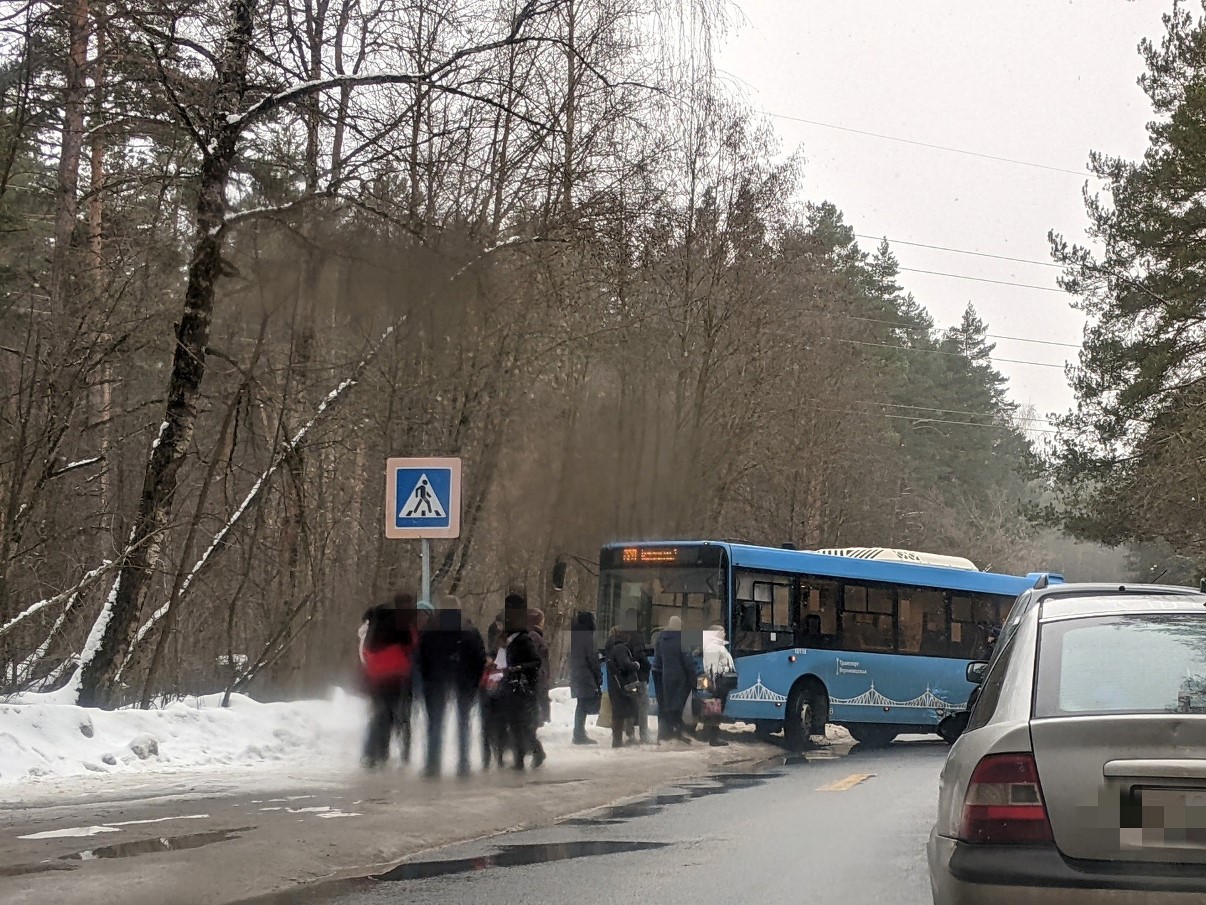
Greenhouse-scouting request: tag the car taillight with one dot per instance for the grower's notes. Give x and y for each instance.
(1004, 803)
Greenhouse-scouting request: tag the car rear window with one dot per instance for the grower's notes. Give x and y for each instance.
(1152, 663)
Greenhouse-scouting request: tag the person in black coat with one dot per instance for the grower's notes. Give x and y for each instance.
(544, 681)
(586, 676)
(621, 685)
(452, 657)
(640, 653)
(674, 674)
(522, 683)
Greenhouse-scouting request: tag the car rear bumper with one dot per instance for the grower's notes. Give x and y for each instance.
(1040, 875)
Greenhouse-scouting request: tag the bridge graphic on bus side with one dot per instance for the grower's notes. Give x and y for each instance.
(758, 693)
(873, 698)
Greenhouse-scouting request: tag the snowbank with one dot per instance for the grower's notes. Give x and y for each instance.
(40, 737)
(43, 738)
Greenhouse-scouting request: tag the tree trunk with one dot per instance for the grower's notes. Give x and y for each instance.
(110, 638)
(72, 142)
(102, 386)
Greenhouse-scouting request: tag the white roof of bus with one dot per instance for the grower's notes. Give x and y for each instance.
(907, 556)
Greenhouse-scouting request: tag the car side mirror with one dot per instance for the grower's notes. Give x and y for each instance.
(976, 672)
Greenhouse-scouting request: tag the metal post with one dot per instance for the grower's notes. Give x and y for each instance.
(425, 593)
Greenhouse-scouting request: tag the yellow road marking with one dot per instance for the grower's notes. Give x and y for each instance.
(843, 785)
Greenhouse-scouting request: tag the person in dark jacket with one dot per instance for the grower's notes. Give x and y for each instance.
(640, 653)
(621, 685)
(675, 677)
(586, 676)
(452, 657)
(522, 682)
(544, 682)
(387, 659)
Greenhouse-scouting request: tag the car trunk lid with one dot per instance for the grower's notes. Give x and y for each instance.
(1119, 735)
(1124, 788)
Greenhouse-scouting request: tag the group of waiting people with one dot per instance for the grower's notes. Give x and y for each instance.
(629, 671)
(411, 650)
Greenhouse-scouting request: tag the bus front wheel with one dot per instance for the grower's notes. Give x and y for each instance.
(872, 735)
(807, 713)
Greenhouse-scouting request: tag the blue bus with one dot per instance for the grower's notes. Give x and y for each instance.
(876, 641)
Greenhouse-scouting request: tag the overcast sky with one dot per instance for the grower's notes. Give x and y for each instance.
(1042, 81)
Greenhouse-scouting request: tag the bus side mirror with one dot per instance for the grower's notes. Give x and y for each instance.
(559, 568)
(976, 671)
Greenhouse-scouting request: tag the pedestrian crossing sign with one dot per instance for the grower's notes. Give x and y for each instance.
(422, 498)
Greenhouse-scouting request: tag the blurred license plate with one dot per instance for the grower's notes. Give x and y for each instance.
(1171, 818)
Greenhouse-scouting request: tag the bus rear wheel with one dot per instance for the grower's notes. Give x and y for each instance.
(872, 735)
(807, 712)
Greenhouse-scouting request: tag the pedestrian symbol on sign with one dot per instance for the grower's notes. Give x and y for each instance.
(422, 502)
(423, 497)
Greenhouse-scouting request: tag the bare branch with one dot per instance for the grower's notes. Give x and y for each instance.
(268, 105)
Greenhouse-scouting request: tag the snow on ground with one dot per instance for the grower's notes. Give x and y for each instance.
(42, 739)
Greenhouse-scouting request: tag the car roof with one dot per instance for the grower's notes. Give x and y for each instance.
(1070, 601)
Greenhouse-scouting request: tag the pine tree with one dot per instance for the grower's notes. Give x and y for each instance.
(1130, 456)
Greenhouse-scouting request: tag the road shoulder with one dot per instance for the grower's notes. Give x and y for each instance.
(278, 838)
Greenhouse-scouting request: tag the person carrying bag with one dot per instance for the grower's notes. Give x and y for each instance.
(721, 673)
(622, 686)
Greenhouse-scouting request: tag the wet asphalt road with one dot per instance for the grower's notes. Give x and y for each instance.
(836, 828)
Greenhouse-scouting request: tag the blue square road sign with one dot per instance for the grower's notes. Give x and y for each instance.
(423, 498)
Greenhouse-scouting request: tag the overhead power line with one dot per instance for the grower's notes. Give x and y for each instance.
(914, 328)
(915, 420)
(1015, 361)
(934, 147)
(960, 276)
(959, 251)
(939, 411)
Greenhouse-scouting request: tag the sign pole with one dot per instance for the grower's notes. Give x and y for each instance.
(425, 594)
(422, 501)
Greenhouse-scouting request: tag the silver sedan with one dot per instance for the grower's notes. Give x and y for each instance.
(1081, 776)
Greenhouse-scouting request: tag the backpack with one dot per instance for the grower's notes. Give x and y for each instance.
(387, 664)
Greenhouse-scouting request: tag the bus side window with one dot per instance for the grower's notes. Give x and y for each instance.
(763, 613)
(922, 620)
(868, 622)
(817, 625)
(974, 618)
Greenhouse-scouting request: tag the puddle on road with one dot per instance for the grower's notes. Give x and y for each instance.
(16, 870)
(717, 784)
(515, 856)
(162, 844)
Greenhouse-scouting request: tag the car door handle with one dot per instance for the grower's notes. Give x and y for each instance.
(1162, 768)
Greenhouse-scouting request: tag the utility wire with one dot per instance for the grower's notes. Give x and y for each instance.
(959, 276)
(916, 328)
(959, 251)
(930, 408)
(1015, 361)
(934, 147)
(915, 421)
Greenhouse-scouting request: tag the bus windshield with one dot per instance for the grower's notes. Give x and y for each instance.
(649, 596)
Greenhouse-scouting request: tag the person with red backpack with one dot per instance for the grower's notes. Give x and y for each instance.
(388, 640)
